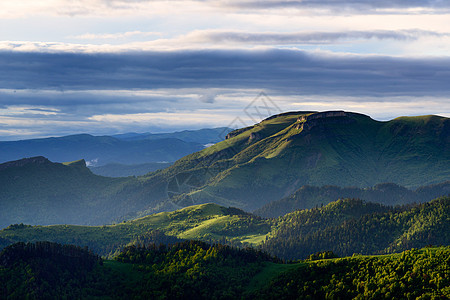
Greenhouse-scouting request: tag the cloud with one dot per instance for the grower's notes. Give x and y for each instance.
(301, 38)
(119, 35)
(345, 6)
(106, 8)
(289, 71)
(208, 97)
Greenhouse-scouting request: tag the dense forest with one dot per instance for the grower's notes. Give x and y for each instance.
(412, 274)
(352, 226)
(198, 270)
(45, 270)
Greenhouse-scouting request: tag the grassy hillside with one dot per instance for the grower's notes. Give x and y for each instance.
(206, 222)
(344, 226)
(274, 158)
(196, 270)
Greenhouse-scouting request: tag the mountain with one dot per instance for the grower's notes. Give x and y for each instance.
(272, 159)
(123, 149)
(38, 191)
(200, 136)
(384, 193)
(345, 227)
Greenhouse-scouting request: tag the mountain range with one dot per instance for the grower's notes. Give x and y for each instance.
(250, 169)
(128, 149)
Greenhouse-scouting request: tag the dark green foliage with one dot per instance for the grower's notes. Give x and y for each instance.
(156, 237)
(351, 226)
(45, 270)
(194, 270)
(344, 227)
(322, 255)
(386, 193)
(413, 274)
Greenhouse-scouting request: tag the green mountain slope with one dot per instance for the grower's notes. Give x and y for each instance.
(277, 156)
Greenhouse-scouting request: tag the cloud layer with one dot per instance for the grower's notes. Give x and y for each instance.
(285, 71)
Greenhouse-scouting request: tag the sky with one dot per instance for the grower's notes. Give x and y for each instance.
(113, 66)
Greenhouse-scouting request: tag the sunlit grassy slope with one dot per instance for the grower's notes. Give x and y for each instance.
(207, 222)
(279, 155)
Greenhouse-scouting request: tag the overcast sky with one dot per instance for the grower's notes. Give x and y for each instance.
(115, 66)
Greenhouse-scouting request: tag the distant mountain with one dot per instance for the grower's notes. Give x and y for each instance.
(201, 136)
(37, 191)
(386, 193)
(124, 149)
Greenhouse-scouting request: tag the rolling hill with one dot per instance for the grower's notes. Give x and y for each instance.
(344, 226)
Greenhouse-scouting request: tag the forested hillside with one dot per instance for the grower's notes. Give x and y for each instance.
(196, 270)
(351, 226)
